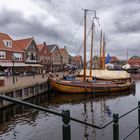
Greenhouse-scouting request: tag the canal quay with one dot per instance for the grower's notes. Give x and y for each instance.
(23, 87)
(20, 122)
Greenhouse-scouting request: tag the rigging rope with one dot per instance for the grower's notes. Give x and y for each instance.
(78, 51)
(75, 33)
(96, 35)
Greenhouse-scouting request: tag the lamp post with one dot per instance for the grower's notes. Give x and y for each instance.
(13, 73)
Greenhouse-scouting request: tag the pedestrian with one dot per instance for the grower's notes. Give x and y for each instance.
(24, 73)
(6, 72)
(48, 82)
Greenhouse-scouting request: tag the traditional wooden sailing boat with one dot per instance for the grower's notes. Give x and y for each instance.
(87, 84)
(66, 86)
(101, 73)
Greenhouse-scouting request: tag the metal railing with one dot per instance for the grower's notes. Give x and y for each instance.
(66, 128)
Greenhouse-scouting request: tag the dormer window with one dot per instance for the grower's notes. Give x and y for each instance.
(8, 43)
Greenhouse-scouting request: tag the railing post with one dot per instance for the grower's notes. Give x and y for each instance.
(66, 130)
(139, 117)
(115, 127)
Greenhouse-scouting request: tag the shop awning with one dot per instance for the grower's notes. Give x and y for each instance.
(10, 64)
(34, 65)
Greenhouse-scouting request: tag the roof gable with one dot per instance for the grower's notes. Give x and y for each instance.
(135, 59)
(43, 47)
(40, 47)
(24, 43)
(78, 58)
(51, 48)
(15, 47)
(113, 59)
(63, 52)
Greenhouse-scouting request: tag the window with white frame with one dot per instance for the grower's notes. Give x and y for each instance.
(8, 43)
(28, 56)
(18, 56)
(31, 56)
(2, 54)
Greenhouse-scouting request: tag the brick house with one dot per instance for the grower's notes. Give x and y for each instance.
(44, 56)
(134, 61)
(10, 54)
(65, 56)
(28, 45)
(114, 60)
(77, 61)
(70, 59)
(56, 58)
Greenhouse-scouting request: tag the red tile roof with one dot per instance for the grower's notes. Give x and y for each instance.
(40, 47)
(63, 51)
(113, 59)
(24, 43)
(15, 47)
(134, 61)
(43, 47)
(78, 58)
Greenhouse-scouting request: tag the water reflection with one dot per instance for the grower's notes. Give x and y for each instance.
(135, 76)
(21, 122)
(92, 118)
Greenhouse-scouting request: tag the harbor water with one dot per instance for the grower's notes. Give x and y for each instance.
(23, 123)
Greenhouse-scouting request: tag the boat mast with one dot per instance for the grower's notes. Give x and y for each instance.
(85, 12)
(92, 42)
(103, 56)
(100, 63)
(92, 45)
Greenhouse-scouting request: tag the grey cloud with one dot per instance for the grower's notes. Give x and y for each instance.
(128, 27)
(118, 18)
(9, 17)
(15, 22)
(18, 27)
(127, 19)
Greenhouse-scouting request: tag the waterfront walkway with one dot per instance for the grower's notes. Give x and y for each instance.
(25, 81)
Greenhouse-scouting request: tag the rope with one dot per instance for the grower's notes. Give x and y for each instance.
(75, 33)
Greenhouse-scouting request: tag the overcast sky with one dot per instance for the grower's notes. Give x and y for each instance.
(56, 22)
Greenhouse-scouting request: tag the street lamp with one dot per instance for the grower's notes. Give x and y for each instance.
(13, 73)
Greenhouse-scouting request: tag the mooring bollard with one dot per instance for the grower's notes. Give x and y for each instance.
(115, 127)
(66, 130)
(139, 117)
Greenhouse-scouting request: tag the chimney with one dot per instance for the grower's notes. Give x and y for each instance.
(65, 48)
(44, 43)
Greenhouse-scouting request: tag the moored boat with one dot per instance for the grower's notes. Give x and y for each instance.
(77, 86)
(87, 84)
(107, 74)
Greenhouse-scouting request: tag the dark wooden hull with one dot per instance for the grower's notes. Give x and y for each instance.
(64, 86)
